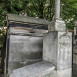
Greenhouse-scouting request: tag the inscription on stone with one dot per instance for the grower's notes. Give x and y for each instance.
(64, 53)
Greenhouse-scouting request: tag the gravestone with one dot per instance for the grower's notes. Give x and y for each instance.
(28, 37)
(24, 41)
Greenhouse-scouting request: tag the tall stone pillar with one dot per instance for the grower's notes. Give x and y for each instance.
(57, 45)
(57, 8)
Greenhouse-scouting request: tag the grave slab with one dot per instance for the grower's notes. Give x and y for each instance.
(39, 69)
(24, 41)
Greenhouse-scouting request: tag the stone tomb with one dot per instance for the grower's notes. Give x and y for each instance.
(24, 41)
(25, 45)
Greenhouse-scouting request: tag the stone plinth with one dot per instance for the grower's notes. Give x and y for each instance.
(57, 49)
(40, 69)
(64, 73)
(57, 25)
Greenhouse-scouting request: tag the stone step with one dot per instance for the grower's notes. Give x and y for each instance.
(39, 69)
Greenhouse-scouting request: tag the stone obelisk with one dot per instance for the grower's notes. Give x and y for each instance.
(57, 45)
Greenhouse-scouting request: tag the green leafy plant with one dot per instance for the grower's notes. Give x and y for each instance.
(2, 37)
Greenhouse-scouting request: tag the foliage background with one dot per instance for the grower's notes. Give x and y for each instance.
(37, 8)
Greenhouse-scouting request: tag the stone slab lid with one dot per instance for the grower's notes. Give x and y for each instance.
(35, 70)
(26, 19)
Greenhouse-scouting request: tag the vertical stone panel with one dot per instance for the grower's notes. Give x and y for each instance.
(24, 50)
(50, 44)
(64, 50)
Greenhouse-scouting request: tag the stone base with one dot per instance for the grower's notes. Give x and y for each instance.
(64, 73)
(57, 25)
(61, 73)
(54, 73)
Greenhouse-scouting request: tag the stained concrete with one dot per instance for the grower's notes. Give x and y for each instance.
(25, 41)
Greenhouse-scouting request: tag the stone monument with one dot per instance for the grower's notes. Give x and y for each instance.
(24, 47)
(57, 45)
(24, 41)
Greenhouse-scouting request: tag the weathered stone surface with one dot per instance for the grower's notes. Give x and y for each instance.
(40, 69)
(25, 40)
(15, 65)
(57, 49)
(17, 18)
(60, 73)
(50, 46)
(26, 31)
(64, 73)
(57, 25)
(57, 8)
(26, 44)
(24, 50)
